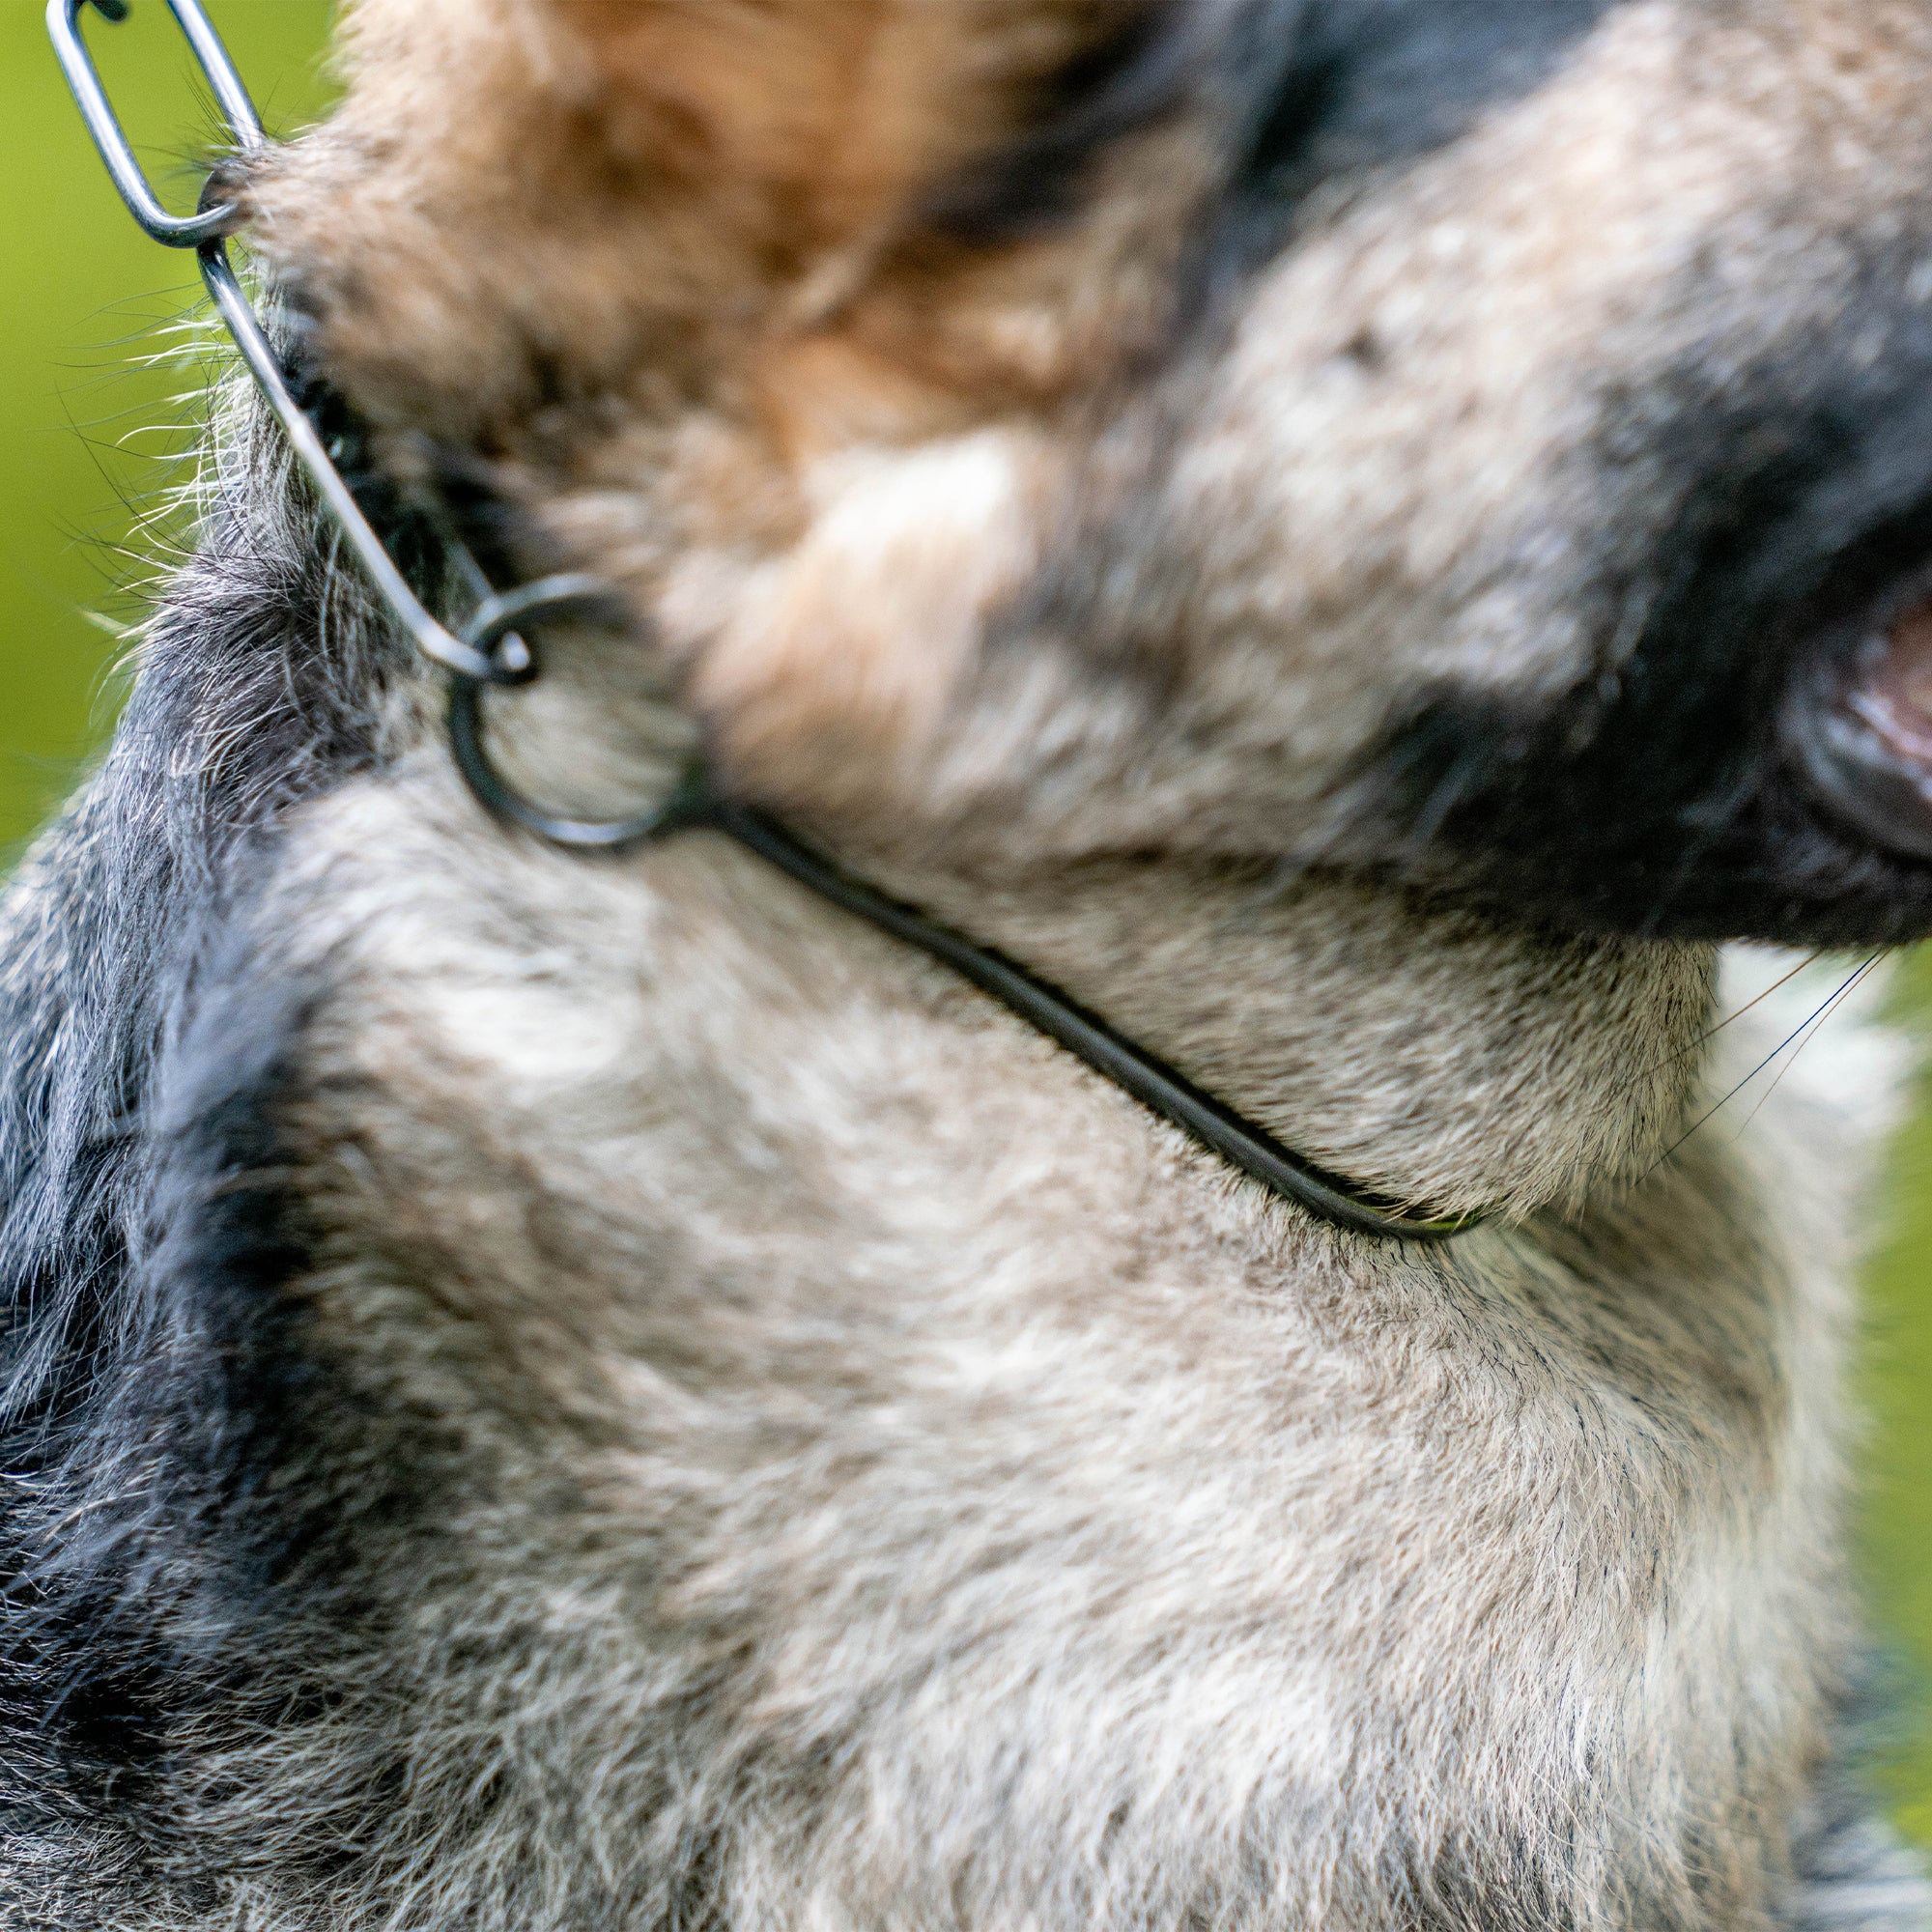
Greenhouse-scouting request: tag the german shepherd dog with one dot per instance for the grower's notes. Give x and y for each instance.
(1360, 539)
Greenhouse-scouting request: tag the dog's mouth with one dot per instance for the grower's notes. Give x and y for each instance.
(1861, 725)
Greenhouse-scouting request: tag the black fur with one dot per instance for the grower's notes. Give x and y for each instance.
(1772, 515)
(1373, 82)
(158, 1393)
(1308, 90)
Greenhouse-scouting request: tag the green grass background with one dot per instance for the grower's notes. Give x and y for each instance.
(89, 441)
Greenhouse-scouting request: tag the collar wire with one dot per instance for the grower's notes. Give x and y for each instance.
(488, 647)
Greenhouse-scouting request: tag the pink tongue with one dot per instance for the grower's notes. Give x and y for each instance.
(1894, 698)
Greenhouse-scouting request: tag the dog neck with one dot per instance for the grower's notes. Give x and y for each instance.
(1430, 1054)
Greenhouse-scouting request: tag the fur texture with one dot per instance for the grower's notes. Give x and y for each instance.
(549, 1393)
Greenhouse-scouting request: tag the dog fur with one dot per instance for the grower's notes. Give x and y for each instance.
(562, 1393)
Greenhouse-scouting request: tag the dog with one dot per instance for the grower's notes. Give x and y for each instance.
(1360, 539)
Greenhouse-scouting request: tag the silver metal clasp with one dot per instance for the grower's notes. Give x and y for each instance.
(244, 126)
(489, 649)
(507, 658)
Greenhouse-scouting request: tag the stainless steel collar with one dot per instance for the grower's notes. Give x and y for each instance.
(491, 646)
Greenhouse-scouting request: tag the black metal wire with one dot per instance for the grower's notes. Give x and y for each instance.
(489, 648)
(1150, 1081)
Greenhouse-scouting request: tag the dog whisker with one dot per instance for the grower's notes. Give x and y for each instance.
(1810, 1021)
(1836, 999)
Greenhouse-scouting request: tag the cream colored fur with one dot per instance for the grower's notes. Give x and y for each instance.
(907, 1470)
(903, 1484)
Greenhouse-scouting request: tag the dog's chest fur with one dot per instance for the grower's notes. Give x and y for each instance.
(550, 1394)
(870, 1473)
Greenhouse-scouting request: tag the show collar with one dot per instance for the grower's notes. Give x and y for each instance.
(489, 648)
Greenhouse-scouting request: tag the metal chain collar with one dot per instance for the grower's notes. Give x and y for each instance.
(489, 648)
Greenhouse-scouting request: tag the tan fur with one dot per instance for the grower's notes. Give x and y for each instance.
(1284, 513)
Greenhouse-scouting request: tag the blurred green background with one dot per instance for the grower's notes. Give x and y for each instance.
(93, 432)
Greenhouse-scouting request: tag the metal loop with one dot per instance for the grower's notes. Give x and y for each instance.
(492, 651)
(243, 125)
(489, 649)
(244, 325)
(493, 627)
(690, 801)
(206, 233)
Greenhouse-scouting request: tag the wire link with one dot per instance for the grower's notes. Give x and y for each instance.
(489, 648)
(244, 126)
